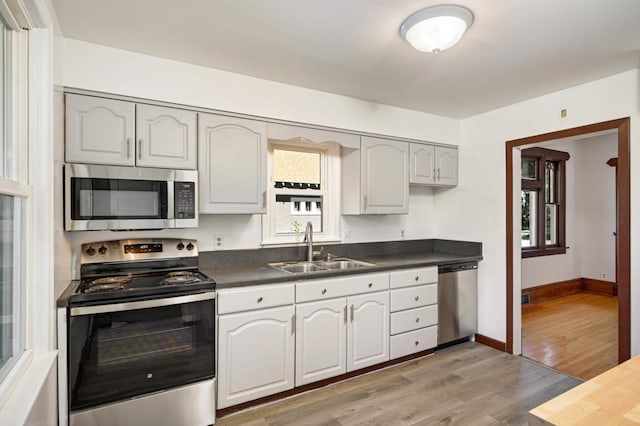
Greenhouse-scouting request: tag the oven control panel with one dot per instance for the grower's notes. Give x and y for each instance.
(139, 249)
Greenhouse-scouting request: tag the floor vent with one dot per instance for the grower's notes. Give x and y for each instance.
(525, 299)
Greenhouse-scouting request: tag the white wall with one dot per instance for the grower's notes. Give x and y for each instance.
(476, 210)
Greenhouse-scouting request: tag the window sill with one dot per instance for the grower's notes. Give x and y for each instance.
(537, 252)
(28, 379)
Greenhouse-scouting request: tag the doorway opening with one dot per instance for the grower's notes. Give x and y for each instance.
(513, 242)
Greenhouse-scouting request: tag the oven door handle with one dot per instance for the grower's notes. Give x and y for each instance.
(154, 303)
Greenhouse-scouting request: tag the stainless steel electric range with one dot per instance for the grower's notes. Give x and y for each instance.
(137, 336)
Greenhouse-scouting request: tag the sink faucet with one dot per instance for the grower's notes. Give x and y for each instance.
(308, 237)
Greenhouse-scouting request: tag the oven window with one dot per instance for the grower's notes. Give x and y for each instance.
(118, 199)
(118, 355)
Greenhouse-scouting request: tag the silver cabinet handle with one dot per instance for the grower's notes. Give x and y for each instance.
(264, 198)
(139, 149)
(370, 285)
(417, 320)
(438, 173)
(128, 148)
(345, 314)
(324, 291)
(293, 324)
(417, 278)
(352, 313)
(260, 299)
(417, 297)
(417, 342)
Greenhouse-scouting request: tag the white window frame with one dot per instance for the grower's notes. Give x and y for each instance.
(329, 190)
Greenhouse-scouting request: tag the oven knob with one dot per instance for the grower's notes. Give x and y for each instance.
(189, 246)
(91, 251)
(180, 246)
(102, 250)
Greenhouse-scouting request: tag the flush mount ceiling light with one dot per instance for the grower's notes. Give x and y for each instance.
(436, 28)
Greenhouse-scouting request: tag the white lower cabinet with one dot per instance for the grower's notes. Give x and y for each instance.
(255, 354)
(340, 335)
(414, 311)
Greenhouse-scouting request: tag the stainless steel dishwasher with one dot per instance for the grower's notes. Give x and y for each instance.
(457, 301)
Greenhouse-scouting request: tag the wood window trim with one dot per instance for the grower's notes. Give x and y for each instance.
(541, 156)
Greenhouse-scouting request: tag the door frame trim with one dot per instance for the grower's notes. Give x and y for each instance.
(623, 181)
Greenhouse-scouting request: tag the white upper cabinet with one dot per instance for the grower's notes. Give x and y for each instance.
(433, 165)
(99, 131)
(166, 137)
(232, 165)
(376, 177)
(446, 166)
(121, 133)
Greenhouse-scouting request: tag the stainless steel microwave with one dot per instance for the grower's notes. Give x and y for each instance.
(100, 197)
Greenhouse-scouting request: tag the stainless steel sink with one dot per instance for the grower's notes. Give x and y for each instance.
(298, 268)
(345, 264)
(318, 266)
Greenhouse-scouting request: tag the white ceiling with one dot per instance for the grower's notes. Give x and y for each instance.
(515, 50)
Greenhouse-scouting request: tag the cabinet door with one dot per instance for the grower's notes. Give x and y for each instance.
(255, 355)
(385, 176)
(367, 330)
(232, 165)
(166, 137)
(320, 340)
(99, 131)
(446, 166)
(422, 168)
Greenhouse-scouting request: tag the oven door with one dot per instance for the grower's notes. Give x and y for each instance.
(126, 350)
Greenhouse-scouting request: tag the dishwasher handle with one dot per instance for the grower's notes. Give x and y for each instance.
(457, 267)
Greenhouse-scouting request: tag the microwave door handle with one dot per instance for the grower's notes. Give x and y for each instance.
(171, 200)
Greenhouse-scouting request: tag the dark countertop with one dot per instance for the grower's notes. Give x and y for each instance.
(239, 276)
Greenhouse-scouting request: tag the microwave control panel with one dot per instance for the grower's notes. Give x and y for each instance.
(185, 200)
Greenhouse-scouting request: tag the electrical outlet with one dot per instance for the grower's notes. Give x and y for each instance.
(402, 234)
(604, 275)
(563, 113)
(346, 236)
(219, 242)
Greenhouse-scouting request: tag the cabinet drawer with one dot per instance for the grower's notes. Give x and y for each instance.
(340, 287)
(416, 276)
(414, 319)
(414, 341)
(255, 297)
(414, 297)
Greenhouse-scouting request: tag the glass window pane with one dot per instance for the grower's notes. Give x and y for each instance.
(550, 182)
(7, 279)
(551, 224)
(528, 233)
(528, 168)
(293, 213)
(296, 166)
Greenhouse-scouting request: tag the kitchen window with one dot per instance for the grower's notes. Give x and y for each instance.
(13, 196)
(543, 199)
(303, 182)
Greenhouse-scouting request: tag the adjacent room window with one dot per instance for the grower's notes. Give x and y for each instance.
(543, 202)
(302, 188)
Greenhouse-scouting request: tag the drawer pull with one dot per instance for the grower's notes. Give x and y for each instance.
(417, 343)
(417, 278)
(260, 299)
(417, 298)
(370, 285)
(324, 291)
(417, 320)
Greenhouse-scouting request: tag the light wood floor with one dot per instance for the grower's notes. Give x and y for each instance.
(576, 334)
(467, 384)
